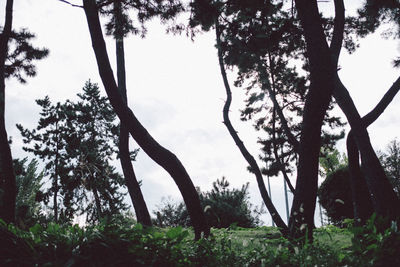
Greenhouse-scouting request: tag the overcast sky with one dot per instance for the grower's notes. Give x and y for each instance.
(176, 91)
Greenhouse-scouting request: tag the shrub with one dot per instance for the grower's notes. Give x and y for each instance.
(222, 205)
(335, 196)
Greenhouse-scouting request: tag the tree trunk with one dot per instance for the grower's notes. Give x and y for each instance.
(142, 213)
(317, 101)
(7, 176)
(96, 200)
(362, 210)
(246, 154)
(55, 181)
(159, 154)
(383, 197)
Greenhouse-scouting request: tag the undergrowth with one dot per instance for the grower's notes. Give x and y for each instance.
(122, 243)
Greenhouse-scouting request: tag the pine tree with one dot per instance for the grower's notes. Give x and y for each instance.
(48, 143)
(97, 135)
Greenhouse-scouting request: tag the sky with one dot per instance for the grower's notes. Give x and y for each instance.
(176, 91)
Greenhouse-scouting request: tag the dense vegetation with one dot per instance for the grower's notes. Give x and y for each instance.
(286, 57)
(121, 242)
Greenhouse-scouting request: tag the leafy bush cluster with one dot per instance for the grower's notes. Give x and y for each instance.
(335, 196)
(121, 242)
(222, 205)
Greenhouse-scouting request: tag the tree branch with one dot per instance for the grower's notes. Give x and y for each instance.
(338, 29)
(69, 3)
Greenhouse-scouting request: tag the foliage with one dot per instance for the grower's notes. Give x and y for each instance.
(21, 55)
(331, 160)
(391, 162)
(335, 195)
(171, 214)
(119, 242)
(375, 244)
(93, 139)
(48, 143)
(77, 141)
(223, 207)
(139, 11)
(29, 194)
(264, 42)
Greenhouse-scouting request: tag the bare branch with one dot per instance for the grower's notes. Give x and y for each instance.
(69, 3)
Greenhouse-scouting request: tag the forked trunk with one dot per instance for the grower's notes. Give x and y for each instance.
(301, 221)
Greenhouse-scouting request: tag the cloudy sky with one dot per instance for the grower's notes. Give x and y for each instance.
(175, 89)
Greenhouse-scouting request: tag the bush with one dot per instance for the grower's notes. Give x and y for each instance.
(223, 207)
(335, 196)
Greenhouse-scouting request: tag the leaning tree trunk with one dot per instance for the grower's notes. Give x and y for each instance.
(384, 199)
(159, 154)
(142, 213)
(359, 183)
(317, 101)
(7, 176)
(246, 154)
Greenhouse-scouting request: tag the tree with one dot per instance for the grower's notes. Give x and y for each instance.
(358, 142)
(29, 195)
(94, 142)
(391, 162)
(259, 39)
(159, 154)
(266, 32)
(48, 143)
(77, 141)
(225, 206)
(120, 21)
(249, 158)
(12, 63)
(7, 177)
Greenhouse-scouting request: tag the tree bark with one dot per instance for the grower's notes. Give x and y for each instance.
(317, 101)
(159, 154)
(7, 176)
(246, 154)
(142, 213)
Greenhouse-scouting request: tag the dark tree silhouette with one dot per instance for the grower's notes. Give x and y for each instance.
(16, 59)
(7, 177)
(159, 154)
(246, 154)
(135, 193)
(49, 145)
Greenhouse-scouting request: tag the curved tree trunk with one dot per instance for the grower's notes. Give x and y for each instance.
(151, 147)
(142, 213)
(246, 154)
(362, 211)
(7, 176)
(383, 197)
